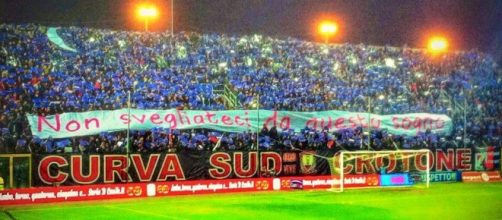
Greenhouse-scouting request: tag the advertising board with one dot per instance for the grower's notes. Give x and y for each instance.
(397, 179)
(440, 176)
(488, 176)
(172, 188)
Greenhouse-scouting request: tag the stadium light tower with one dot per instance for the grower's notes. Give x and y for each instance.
(327, 29)
(147, 13)
(438, 44)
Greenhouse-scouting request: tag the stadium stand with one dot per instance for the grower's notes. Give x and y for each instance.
(216, 72)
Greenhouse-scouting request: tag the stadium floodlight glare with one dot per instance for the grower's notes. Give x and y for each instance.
(328, 29)
(147, 12)
(438, 44)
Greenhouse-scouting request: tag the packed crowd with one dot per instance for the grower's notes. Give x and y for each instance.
(182, 71)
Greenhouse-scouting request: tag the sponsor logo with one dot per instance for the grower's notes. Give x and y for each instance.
(435, 177)
(134, 191)
(262, 185)
(285, 184)
(485, 177)
(373, 181)
(307, 162)
(489, 176)
(296, 184)
(162, 189)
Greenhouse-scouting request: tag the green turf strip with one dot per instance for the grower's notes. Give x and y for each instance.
(5, 216)
(441, 201)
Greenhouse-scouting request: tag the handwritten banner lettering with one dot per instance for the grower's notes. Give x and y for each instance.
(94, 122)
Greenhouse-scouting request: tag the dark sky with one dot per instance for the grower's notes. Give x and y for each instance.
(468, 24)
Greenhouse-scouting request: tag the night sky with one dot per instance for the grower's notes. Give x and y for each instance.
(469, 24)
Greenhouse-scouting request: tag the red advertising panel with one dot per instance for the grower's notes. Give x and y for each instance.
(208, 186)
(323, 182)
(488, 176)
(114, 191)
(173, 188)
(71, 193)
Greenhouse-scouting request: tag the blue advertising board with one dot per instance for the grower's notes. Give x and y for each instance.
(445, 176)
(396, 179)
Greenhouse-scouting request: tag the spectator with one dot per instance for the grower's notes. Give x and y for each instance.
(39, 78)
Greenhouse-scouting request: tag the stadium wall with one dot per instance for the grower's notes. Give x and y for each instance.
(196, 187)
(70, 177)
(71, 169)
